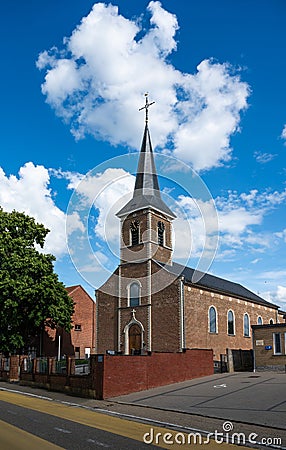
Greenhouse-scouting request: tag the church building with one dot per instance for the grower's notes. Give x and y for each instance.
(151, 303)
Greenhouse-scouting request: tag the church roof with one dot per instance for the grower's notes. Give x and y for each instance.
(146, 192)
(215, 284)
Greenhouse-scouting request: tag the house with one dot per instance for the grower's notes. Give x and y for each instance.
(281, 316)
(80, 342)
(153, 304)
(269, 347)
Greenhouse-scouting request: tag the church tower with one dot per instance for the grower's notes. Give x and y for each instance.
(146, 220)
(131, 304)
(146, 240)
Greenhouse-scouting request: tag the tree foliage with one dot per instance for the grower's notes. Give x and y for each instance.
(31, 296)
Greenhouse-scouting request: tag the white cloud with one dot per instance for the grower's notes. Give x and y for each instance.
(241, 216)
(74, 223)
(30, 193)
(108, 192)
(281, 235)
(97, 80)
(281, 294)
(264, 158)
(283, 134)
(255, 261)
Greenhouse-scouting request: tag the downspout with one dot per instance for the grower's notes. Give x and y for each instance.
(94, 325)
(96, 322)
(254, 362)
(149, 281)
(182, 315)
(119, 349)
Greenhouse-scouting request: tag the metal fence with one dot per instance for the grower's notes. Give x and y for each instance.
(59, 367)
(5, 364)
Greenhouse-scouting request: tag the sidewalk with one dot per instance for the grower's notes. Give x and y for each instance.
(246, 397)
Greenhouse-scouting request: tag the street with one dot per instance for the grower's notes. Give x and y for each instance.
(60, 426)
(29, 421)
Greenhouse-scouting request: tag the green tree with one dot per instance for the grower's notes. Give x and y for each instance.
(31, 296)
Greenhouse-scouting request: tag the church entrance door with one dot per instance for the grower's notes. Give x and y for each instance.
(134, 340)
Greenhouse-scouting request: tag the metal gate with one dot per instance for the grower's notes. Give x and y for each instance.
(242, 360)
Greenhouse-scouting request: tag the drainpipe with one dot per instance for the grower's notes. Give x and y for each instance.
(182, 314)
(254, 362)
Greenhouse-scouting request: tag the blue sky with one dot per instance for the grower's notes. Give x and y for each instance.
(216, 71)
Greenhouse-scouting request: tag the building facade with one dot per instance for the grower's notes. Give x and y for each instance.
(269, 346)
(150, 303)
(80, 342)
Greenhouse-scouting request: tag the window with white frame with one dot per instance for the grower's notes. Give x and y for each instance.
(212, 320)
(246, 328)
(230, 322)
(134, 294)
(259, 320)
(277, 344)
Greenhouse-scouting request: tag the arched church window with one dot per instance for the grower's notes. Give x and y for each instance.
(212, 320)
(259, 320)
(134, 228)
(134, 294)
(161, 231)
(230, 322)
(271, 321)
(246, 329)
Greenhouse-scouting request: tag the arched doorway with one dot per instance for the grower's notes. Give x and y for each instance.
(135, 340)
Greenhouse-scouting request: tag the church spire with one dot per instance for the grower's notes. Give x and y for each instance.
(146, 191)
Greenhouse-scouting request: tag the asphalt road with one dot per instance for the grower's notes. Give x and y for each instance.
(29, 428)
(32, 423)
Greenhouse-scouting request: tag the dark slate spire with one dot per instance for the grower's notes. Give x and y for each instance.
(146, 191)
(146, 178)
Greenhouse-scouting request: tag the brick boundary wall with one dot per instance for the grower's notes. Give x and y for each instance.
(122, 375)
(111, 376)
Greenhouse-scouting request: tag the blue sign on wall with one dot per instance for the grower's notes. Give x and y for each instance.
(268, 347)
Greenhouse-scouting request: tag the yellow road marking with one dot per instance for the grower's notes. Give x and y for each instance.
(17, 439)
(122, 427)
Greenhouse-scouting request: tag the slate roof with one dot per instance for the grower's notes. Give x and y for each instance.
(146, 191)
(215, 284)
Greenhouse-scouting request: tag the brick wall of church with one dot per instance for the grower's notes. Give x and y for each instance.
(106, 322)
(132, 272)
(106, 313)
(197, 304)
(165, 311)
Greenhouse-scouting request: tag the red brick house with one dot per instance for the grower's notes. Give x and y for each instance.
(151, 303)
(80, 342)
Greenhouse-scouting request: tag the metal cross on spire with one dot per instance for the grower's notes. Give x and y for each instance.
(146, 106)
